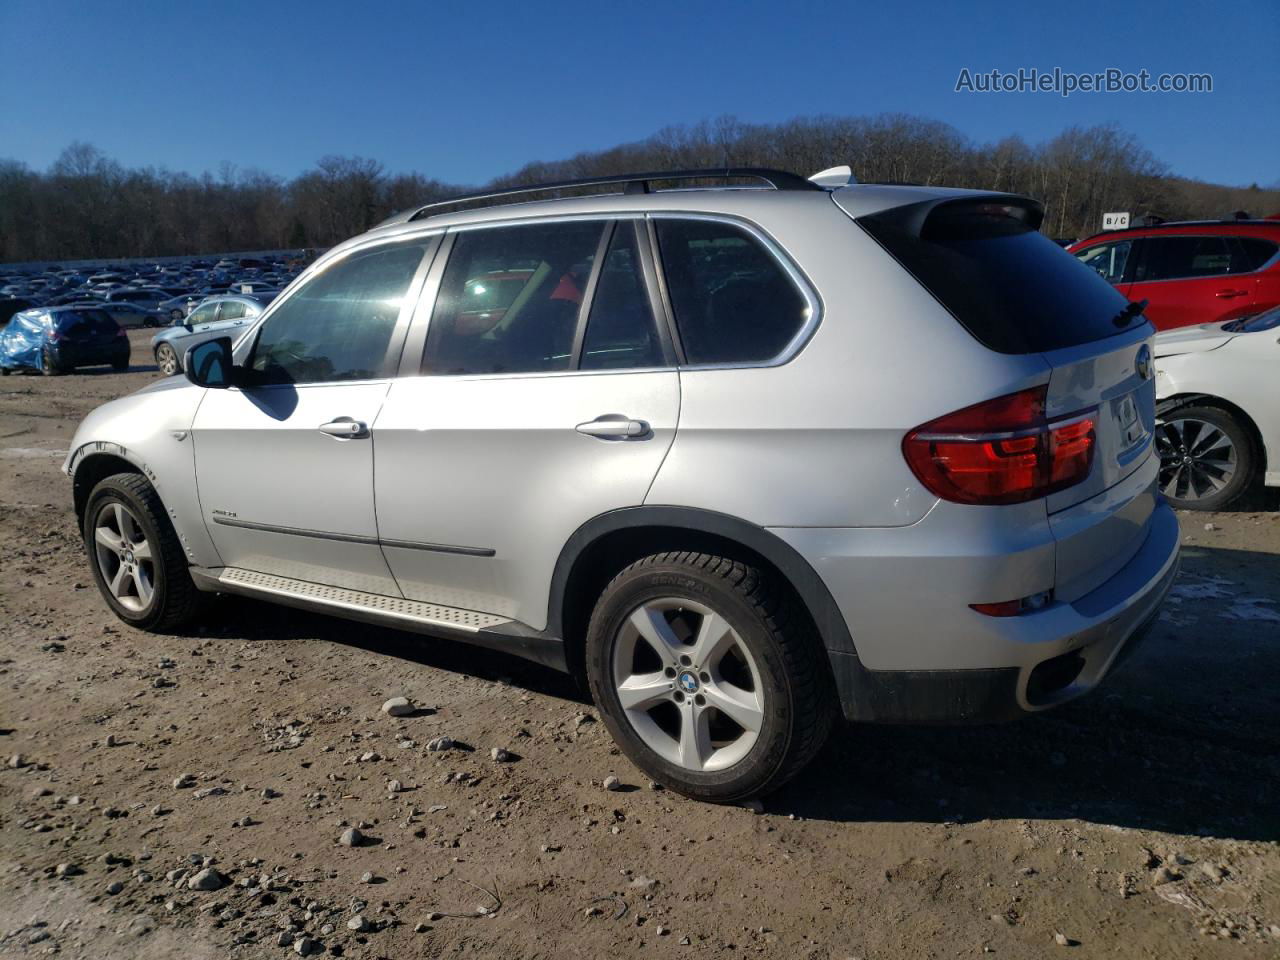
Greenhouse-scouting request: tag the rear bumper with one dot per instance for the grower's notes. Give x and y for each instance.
(1043, 659)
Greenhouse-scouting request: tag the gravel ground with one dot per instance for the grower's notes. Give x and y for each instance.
(239, 791)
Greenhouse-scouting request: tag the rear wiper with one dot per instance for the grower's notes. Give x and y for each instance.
(1129, 312)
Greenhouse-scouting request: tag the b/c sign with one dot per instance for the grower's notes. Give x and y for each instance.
(1115, 221)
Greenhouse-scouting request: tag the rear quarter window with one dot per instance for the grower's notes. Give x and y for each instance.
(733, 302)
(1010, 286)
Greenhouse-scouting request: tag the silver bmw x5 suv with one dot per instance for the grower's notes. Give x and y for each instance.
(747, 458)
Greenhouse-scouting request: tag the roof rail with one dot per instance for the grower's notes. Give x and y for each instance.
(634, 183)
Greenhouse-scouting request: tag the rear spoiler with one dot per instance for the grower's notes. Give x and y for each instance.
(913, 216)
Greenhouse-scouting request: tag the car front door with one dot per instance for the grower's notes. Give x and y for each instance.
(545, 396)
(285, 460)
(1187, 280)
(1111, 261)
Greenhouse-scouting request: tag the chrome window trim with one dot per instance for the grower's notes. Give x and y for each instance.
(425, 306)
(239, 352)
(813, 300)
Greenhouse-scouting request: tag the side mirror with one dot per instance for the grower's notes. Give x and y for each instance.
(209, 364)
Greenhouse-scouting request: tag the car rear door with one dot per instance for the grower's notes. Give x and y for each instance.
(285, 460)
(528, 412)
(1186, 279)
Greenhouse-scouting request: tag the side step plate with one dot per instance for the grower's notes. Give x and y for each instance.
(338, 600)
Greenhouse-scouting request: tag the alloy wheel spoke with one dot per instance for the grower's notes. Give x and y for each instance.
(142, 585)
(740, 706)
(643, 690)
(695, 738)
(142, 550)
(106, 537)
(715, 636)
(653, 627)
(118, 581)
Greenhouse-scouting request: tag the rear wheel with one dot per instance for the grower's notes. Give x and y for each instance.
(167, 360)
(137, 560)
(708, 675)
(1206, 457)
(48, 366)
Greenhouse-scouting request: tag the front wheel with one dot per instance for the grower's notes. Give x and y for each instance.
(167, 360)
(708, 675)
(137, 559)
(1206, 457)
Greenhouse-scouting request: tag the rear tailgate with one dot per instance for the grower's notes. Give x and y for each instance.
(1101, 523)
(1016, 292)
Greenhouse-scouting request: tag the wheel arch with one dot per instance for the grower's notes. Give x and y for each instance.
(1191, 398)
(89, 470)
(604, 545)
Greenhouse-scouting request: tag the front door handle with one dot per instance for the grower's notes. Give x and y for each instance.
(1228, 294)
(345, 428)
(615, 426)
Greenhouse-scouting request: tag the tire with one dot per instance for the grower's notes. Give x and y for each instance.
(160, 595)
(768, 671)
(1207, 457)
(47, 367)
(167, 360)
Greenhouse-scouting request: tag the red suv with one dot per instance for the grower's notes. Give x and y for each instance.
(1194, 272)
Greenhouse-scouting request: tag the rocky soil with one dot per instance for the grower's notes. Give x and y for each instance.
(246, 790)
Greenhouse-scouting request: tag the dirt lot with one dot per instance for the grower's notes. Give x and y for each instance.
(1141, 822)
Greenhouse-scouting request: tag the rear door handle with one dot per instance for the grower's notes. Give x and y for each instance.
(1228, 294)
(345, 428)
(615, 426)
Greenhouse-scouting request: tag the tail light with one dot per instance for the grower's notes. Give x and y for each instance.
(1002, 450)
(121, 332)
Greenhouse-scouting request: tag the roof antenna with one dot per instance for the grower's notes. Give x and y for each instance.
(834, 177)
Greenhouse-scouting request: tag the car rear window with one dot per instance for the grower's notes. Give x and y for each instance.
(80, 323)
(1010, 286)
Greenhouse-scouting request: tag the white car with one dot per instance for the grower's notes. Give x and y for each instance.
(1218, 390)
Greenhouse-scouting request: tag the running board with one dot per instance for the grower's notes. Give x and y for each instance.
(470, 626)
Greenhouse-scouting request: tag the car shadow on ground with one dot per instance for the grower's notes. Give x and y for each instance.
(1184, 737)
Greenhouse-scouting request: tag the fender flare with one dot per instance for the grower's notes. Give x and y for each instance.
(813, 592)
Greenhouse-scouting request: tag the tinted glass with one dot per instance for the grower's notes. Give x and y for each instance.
(1108, 259)
(203, 314)
(83, 323)
(732, 300)
(621, 331)
(1011, 287)
(232, 310)
(1174, 258)
(510, 297)
(1250, 253)
(338, 326)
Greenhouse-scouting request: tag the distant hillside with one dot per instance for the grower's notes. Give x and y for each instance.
(88, 206)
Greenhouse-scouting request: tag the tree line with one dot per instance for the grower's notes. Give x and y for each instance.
(88, 206)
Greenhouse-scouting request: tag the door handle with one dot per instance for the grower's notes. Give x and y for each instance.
(1228, 294)
(345, 428)
(614, 426)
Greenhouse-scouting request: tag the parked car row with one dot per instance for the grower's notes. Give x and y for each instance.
(148, 295)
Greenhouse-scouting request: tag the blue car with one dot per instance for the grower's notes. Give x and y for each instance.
(56, 340)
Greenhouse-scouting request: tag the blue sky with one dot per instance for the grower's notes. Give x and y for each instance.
(467, 91)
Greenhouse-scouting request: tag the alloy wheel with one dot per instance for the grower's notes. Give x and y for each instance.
(1197, 458)
(124, 557)
(687, 684)
(167, 359)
